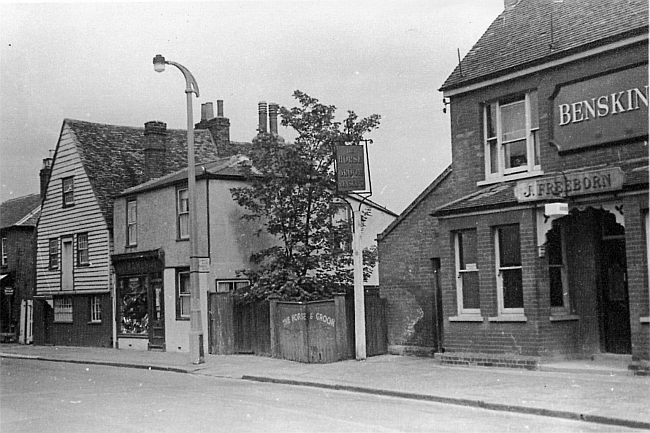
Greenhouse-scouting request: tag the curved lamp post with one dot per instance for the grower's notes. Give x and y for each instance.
(196, 326)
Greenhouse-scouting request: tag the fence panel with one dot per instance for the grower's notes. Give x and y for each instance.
(221, 327)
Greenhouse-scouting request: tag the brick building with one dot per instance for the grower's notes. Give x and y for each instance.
(536, 239)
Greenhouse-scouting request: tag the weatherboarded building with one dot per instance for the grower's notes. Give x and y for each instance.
(540, 247)
(92, 164)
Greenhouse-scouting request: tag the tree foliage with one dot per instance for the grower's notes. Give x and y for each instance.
(291, 192)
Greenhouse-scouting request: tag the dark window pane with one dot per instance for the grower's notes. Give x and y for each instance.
(467, 247)
(555, 279)
(516, 154)
(470, 290)
(513, 293)
(554, 246)
(509, 247)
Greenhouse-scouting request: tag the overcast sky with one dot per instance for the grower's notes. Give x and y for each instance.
(93, 62)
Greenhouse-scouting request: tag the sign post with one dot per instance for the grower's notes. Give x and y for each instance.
(351, 177)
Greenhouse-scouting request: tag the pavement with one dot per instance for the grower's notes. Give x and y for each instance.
(591, 391)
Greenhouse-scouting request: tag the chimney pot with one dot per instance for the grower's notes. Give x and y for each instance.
(219, 107)
(207, 111)
(273, 118)
(262, 111)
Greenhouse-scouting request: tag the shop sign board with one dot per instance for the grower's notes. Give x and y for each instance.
(570, 184)
(603, 109)
(350, 168)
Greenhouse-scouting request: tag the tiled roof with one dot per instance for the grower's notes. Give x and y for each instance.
(521, 36)
(113, 156)
(502, 194)
(22, 211)
(222, 167)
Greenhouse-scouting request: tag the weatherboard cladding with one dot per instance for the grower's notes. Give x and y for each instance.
(113, 156)
(521, 36)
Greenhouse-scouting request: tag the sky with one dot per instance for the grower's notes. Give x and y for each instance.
(92, 61)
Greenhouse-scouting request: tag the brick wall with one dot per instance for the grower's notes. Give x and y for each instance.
(406, 273)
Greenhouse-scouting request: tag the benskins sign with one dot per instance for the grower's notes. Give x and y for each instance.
(601, 110)
(615, 103)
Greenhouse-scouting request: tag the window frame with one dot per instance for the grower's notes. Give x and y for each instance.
(533, 164)
(66, 311)
(234, 282)
(5, 254)
(53, 254)
(499, 270)
(181, 296)
(95, 309)
(131, 225)
(67, 194)
(182, 215)
(463, 269)
(83, 259)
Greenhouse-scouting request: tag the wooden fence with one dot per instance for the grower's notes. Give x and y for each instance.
(315, 332)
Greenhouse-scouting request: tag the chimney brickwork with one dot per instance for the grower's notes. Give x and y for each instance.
(155, 134)
(219, 127)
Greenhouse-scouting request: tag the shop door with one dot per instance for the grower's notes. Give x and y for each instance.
(156, 314)
(615, 303)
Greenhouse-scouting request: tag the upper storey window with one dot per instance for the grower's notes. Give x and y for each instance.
(511, 136)
(68, 191)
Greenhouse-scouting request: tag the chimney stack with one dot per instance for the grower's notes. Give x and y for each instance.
(262, 111)
(155, 133)
(219, 127)
(45, 173)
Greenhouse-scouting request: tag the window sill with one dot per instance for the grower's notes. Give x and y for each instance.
(644, 319)
(518, 176)
(509, 318)
(132, 336)
(62, 322)
(466, 318)
(94, 323)
(182, 239)
(182, 319)
(564, 318)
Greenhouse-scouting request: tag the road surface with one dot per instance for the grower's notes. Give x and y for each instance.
(41, 396)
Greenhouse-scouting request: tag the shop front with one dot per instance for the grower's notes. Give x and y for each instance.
(139, 297)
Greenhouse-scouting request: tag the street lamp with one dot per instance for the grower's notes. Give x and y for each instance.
(196, 327)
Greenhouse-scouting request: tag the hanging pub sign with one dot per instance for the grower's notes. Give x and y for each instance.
(570, 184)
(350, 168)
(600, 110)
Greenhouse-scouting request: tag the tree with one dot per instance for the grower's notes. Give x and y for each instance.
(291, 191)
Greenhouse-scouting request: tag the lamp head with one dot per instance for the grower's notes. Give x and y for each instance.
(159, 63)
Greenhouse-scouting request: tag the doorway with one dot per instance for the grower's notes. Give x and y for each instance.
(67, 264)
(614, 299)
(156, 313)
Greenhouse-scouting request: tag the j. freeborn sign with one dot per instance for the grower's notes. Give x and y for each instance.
(570, 184)
(350, 168)
(603, 109)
